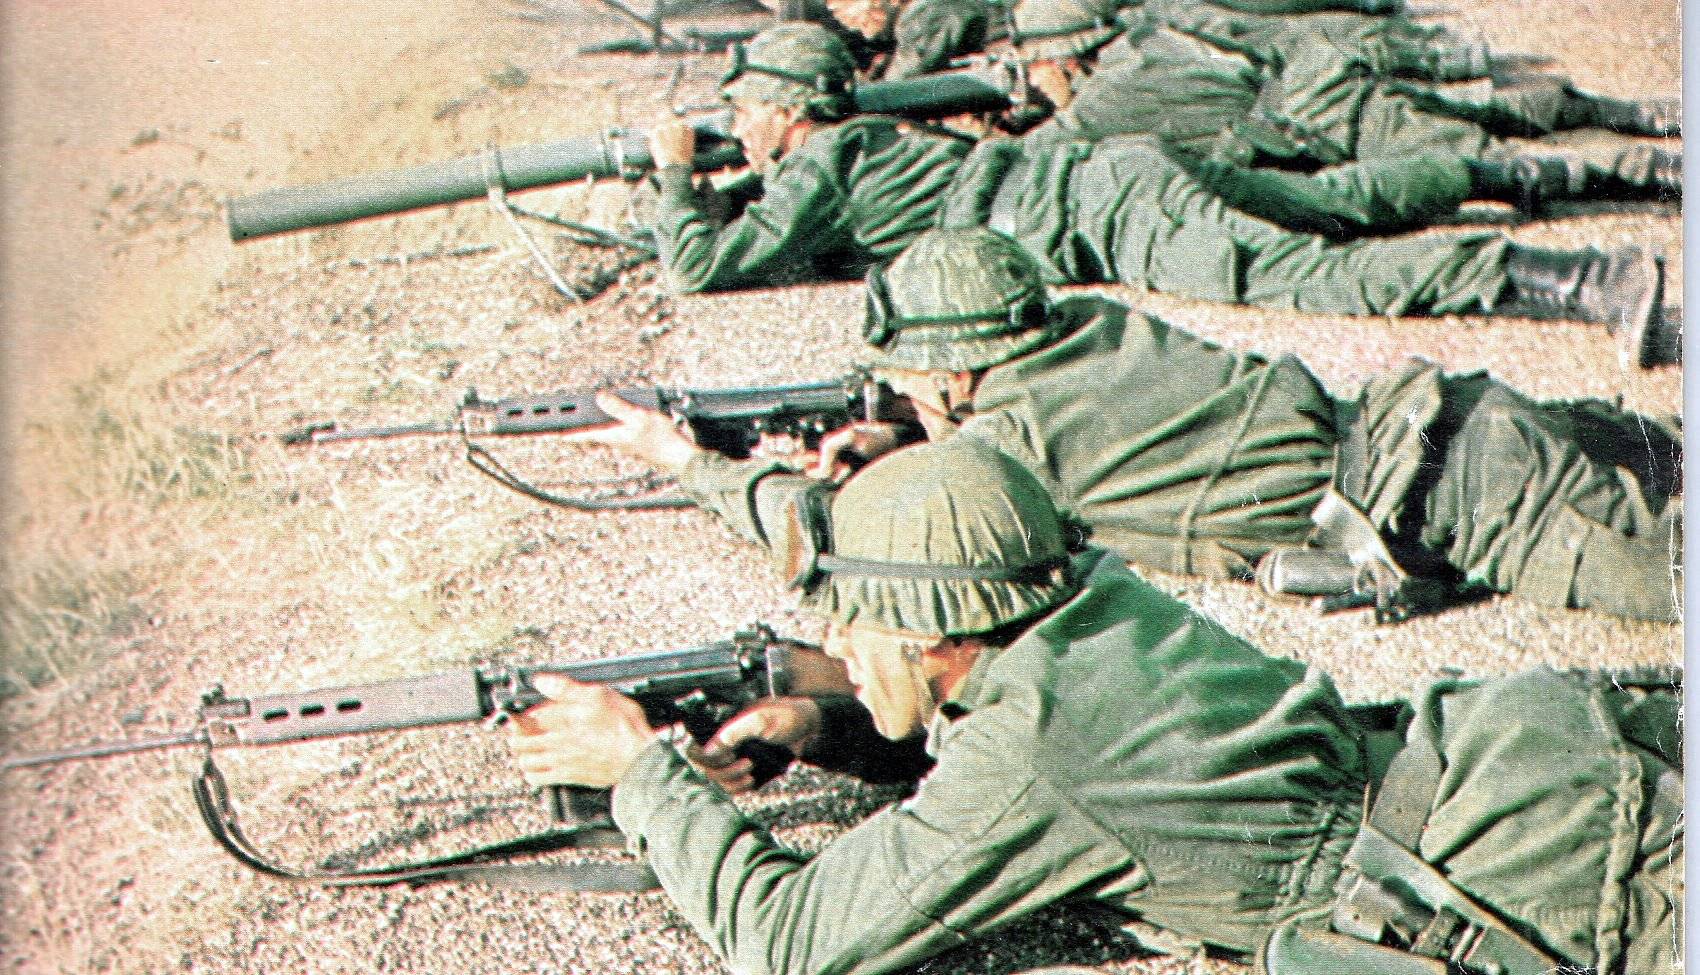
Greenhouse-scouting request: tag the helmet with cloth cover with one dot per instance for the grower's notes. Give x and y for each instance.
(793, 64)
(1056, 29)
(957, 300)
(949, 539)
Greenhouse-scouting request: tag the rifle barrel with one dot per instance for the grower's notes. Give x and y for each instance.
(333, 434)
(196, 737)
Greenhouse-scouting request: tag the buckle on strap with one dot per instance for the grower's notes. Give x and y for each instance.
(1390, 896)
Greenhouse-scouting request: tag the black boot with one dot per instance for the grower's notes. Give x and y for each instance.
(1528, 181)
(1654, 117)
(1642, 170)
(1622, 290)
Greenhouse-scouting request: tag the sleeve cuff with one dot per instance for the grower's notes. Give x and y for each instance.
(675, 184)
(708, 474)
(659, 773)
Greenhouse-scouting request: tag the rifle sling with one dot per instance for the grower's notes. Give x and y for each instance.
(486, 864)
(483, 461)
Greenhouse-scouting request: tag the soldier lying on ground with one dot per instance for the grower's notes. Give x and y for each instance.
(1187, 457)
(1343, 88)
(905, 38)
(1099, 743)
(841, 196)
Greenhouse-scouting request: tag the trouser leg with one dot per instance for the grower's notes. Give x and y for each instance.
(1138, 219)
(1565, 504)
(1549, 814)
(1536, 105)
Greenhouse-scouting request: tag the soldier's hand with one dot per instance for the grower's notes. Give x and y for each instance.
(790, 722)
(672, 142)
(584, 734)
(647, 434)
(866, 440)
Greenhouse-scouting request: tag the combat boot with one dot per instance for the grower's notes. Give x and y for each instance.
(1527, 181)
(1621, 289)
(1658, 344)
(1643, 169)
(1654, 117)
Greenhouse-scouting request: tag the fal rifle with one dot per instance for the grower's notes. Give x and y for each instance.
(689, 41)
(701, 687)
(619, 154)
(730, 421)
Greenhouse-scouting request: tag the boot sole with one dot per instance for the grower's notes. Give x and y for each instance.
(1637, 347)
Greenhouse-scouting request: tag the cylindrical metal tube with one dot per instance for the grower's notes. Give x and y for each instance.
(548, 164)
(437, 184)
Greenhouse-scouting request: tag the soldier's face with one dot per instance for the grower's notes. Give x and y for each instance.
(763, 129)
(930, 392)
(869, 18)
(890, 669)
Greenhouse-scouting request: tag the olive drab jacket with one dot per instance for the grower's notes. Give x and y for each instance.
(857, 192)
(1127, 752)
(1191, 458)
(929, 33)
(853, 194)
(1214, 796)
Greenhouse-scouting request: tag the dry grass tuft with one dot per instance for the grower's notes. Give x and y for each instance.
(56, 619)
(112, 444)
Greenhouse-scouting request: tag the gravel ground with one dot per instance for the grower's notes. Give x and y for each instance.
(358, 562)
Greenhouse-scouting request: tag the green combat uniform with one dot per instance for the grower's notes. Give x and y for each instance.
(853, 194)
(1125, 752)
(1190, 458)
(1184, 456)
(1332, 88)
(928, 34)
(1126, 210)
(858, 192)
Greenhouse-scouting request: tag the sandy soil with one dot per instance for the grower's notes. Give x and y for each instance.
(124, 130)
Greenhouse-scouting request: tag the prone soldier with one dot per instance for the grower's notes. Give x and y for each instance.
(1303, 95)
(1098, 743)
(840, 196)
(1187, 457)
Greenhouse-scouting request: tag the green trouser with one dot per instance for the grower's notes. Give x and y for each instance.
(1560, 805)
(1553, 801)
(1387, 45)
(1398, 120)
(1121, 210)
(1565, 504)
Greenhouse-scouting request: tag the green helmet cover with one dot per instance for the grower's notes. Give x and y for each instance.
(950, 538)
(1055, 29)
(957, 299)
(793, 64)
